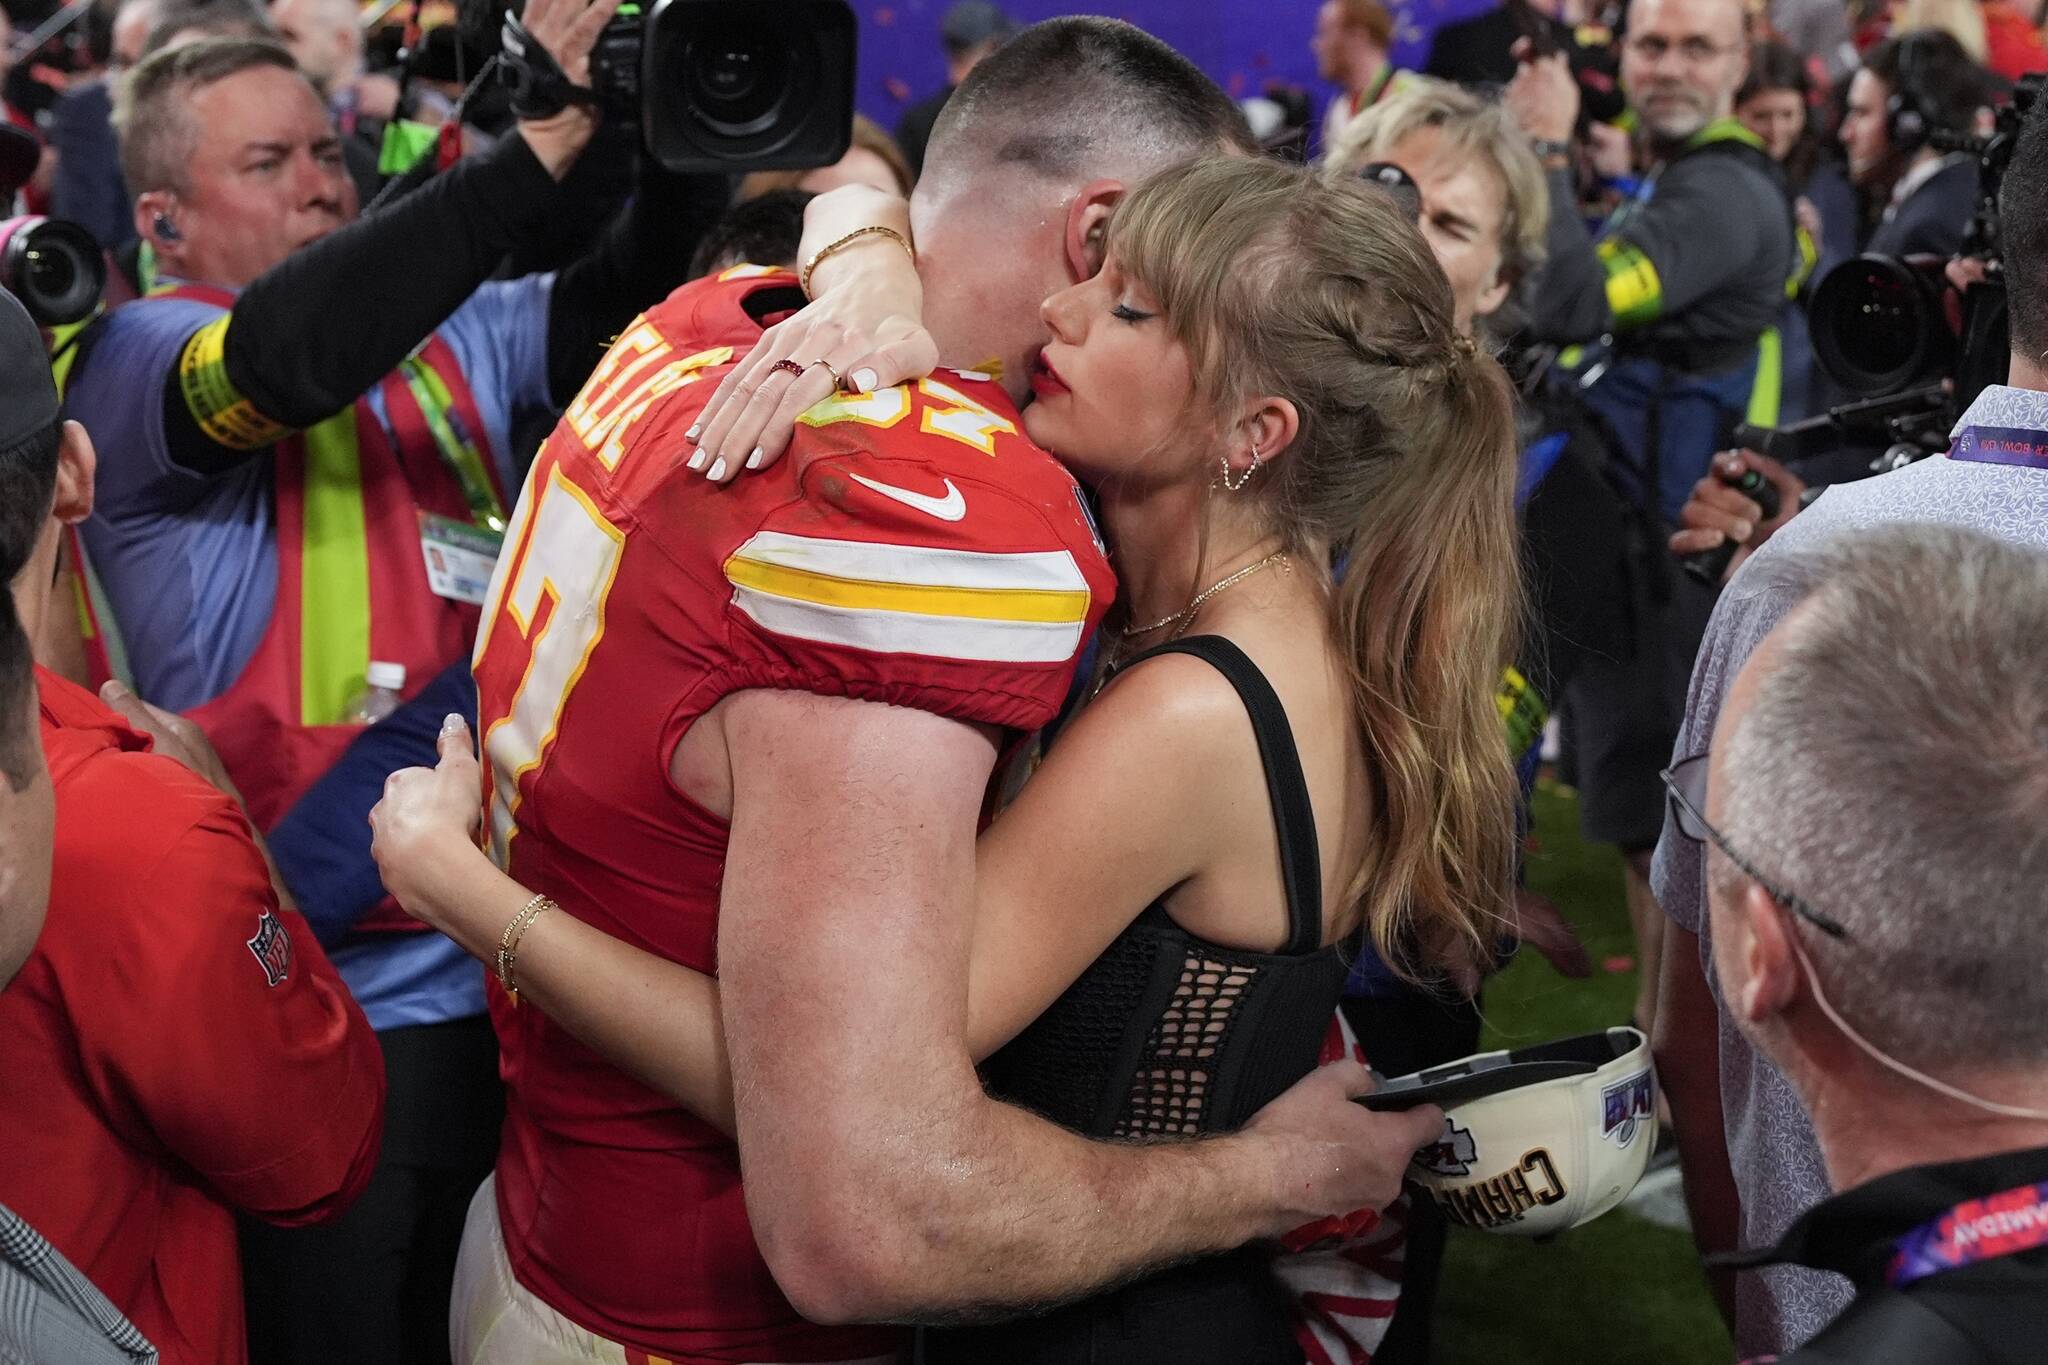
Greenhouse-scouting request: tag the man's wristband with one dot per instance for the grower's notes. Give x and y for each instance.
(1554, 155)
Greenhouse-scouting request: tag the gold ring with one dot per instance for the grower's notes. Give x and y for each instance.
(829, 369)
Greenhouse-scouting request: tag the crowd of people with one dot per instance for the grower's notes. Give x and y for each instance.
(868, 763)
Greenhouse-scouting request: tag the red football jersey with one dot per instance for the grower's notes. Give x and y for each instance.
(912, 548)
(178, 1047)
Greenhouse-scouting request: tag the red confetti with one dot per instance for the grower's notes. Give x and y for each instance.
(885, 17)
(1619, 963)
(898, 88)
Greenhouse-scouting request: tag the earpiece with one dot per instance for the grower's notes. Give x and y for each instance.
(166, 229)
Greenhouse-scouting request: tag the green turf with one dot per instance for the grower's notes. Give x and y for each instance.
(1618, 1291)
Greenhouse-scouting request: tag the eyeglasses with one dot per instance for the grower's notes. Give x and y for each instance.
(1692, 51)
(1686, 784)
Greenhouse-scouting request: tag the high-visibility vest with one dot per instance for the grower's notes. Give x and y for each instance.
(351, 577)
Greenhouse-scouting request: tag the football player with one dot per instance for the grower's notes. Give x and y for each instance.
(748, 729)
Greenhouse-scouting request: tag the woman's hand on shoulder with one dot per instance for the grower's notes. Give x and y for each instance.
(423, 833)
(863, 331)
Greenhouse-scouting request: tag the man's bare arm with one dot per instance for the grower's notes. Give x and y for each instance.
(882, 1182)
(1688, 1051)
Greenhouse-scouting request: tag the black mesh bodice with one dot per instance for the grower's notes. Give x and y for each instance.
(1167, 1035)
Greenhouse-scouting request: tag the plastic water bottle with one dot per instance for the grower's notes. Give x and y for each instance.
(379, 699)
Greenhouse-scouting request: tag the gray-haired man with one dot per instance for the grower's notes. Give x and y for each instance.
(1875, 869)
(1751, 1162)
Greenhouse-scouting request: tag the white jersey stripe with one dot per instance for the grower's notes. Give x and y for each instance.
(899, 632)
(917, 565)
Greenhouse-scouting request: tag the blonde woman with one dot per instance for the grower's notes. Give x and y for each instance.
(1265, 378)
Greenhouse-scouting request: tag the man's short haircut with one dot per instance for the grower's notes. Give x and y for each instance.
(764, 230)
(2023, 228)
(1933, 71)
(28, 482)
(150, 112)
(1893, 771)
(1082, 97)
(207, 18)
(20, 757)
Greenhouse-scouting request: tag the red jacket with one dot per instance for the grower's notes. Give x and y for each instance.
(177, 1047)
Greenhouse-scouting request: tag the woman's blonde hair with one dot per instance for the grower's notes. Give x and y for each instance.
(1482, 131)
(1404, 469)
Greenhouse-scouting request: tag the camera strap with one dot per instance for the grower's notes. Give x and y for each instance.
(538, 85)
(2001, 445)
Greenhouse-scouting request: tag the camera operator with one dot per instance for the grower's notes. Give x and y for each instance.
(310, 411)
(1907, 90)
(1751, 1163)
(1874, 892)
(1670, 304)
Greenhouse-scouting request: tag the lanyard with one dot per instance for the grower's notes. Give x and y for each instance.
(2002, 445)
(459, 452)
(1974, 1231)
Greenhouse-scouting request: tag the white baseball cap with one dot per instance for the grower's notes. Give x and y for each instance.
(1537, 1139)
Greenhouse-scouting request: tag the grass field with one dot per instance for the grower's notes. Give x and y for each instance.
(1619, 1291)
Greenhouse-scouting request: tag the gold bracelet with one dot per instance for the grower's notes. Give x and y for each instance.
(508, 942)
(872, 230)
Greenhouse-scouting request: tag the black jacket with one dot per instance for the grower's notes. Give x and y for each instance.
(1991, 1312)
(1934, 217)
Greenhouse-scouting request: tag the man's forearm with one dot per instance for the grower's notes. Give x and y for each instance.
(1570, 303)
(1000, 1211)
(1688, 1054)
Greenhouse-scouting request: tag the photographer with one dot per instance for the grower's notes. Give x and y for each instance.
(1908, 90)
(311, 410)
(1751, 1163)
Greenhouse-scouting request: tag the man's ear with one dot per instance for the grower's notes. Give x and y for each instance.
(1087, 234)
(1770, 958)
(1494, 295)
(76, 465)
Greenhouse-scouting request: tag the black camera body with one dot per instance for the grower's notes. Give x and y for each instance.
(722, 85)
(1894, 332)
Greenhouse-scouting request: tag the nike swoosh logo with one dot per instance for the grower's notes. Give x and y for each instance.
(952, 507)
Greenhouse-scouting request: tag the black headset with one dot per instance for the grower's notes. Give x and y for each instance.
(1906, 123)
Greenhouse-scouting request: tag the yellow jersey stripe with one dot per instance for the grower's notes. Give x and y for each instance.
(980, 604)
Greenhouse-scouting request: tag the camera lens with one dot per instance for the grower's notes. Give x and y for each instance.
(55, 269)
(50, 273)
(738, 75)
(1879, 323)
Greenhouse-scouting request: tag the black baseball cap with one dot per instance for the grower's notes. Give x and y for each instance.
(28, 395)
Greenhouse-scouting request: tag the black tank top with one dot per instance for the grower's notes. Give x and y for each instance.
(1169, 1035)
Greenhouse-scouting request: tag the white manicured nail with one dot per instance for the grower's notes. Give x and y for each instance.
(717, 472)
(863, 380)
(691, 434)
(754, 460)
(697, 460)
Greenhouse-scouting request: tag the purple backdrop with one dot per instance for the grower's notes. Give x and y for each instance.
(1242, 43)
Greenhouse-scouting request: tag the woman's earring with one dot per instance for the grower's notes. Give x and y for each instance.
(1243, 478)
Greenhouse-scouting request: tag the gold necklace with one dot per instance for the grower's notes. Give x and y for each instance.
(1186, 615)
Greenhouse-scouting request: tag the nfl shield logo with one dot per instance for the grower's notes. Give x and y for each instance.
(272, 948)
